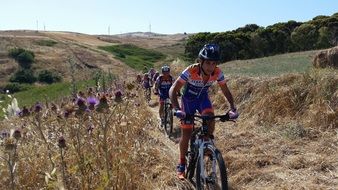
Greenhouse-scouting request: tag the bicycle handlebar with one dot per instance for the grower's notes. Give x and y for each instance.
(222, 118)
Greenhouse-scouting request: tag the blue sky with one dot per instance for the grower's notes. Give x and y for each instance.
(164, 16)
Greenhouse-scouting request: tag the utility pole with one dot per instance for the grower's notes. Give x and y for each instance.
(109, 30)
(37, 25)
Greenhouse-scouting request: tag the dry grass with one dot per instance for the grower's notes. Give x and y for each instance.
(104, 149)
(287, 135)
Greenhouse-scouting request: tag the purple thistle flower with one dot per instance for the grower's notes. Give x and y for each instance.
(37, 107)
(92, 101)
(4, 134)
(103, 104)
(82, 107)
(24, 112)
(17, 134)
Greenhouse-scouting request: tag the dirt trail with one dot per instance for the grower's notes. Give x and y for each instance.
(170, 151)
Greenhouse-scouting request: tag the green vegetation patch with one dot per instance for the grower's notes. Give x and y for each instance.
(270, 66)
(134, 56)
(33, 94)
(48, 43)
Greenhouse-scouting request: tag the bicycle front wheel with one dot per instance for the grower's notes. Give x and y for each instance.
(211, 171)
(169, 121)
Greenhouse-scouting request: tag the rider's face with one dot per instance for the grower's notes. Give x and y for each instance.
(209, 66)
(166, 73)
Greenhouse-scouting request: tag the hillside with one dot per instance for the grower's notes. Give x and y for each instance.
(53, 50)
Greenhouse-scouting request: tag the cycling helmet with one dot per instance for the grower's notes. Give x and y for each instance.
(165, 68)
(152, 71)
(210, 52)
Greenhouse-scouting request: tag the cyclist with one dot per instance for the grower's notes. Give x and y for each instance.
(151, 74)
(156, 76)
(196, 79)
(162, 86)
(146, 84)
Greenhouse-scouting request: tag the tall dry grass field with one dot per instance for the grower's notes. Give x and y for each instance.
(71, 145)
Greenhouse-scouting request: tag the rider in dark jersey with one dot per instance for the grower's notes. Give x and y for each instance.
(162, 86)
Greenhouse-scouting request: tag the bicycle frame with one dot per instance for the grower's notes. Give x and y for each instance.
(199, 142)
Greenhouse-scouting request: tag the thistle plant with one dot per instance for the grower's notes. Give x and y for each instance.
(10, 143)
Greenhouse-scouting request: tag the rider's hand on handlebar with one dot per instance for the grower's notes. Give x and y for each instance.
(179, 113)
(233, 114)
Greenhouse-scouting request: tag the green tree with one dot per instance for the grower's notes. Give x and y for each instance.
(324, 38)
(305, 36)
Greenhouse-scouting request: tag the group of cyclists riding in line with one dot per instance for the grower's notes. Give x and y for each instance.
(195, 81)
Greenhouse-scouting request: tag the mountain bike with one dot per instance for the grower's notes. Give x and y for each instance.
(168, 117)
(205, 161)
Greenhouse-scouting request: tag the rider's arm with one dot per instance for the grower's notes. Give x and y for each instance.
(227, 94)
(174, 89)
(157, 83)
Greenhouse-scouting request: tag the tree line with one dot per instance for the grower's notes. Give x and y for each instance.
(253, 41)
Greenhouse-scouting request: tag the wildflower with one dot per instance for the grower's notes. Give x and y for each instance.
(62, 142)
(81, 103)
(92, 101)
(17, 134)
(118, 96)
(37, 107)
(103, 103)
(24, 112)
(81, 106)
(4, 134)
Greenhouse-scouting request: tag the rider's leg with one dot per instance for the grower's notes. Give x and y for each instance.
(161, 109)
(189, 107)
(186, 130)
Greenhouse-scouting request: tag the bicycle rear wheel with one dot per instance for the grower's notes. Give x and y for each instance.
(211, 171)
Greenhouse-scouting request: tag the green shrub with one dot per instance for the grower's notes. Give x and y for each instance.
(24, 76)
(15, 87)
(134, 56)
(49, 77)
(14, 52)
(25, 58)
(48, 43)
